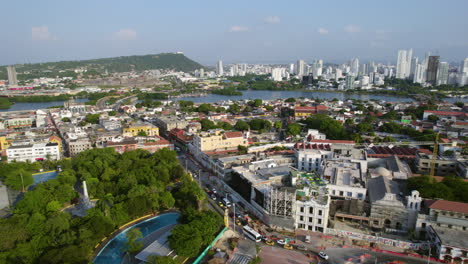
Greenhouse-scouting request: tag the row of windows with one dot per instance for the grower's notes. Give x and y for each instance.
(311, 219)
(311, 210)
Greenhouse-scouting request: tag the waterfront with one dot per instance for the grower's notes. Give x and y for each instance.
(114, 251)
(250, 94)
(36, 106)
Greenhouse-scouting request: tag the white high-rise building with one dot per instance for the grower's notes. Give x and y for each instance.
(277, 74)
(442, 73)
(338, 74)
(414, 63)
(219, 68)
(462, 79)
(300, 68)
(12, 79)
(419, 73)
(401, 65)
(404, 62)
(354, 67)
(291, 68)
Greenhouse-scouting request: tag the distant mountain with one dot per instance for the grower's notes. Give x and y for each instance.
(166, 61)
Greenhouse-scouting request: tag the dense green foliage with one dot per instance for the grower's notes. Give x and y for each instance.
(241, 125)
(127, 186)
(11, 173)
(134, 244)
(392, 127)
(450, 188)
(152, 96)
(4, 103)
(327, 125)
(293, 129)
(92, 118)
(196, 230)
(260, 125)
(178, 62)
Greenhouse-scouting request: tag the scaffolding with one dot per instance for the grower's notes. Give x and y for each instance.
(279, 202)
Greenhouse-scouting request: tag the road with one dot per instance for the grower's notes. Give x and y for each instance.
(101, 103)
(339, 255)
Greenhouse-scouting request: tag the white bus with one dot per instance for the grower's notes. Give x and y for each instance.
(252, 234)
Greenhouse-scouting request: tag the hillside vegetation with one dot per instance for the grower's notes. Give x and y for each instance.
(166, 61)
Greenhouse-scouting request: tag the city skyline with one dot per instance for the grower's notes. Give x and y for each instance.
(213, 31)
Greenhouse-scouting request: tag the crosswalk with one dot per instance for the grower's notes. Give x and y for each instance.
(240, 259)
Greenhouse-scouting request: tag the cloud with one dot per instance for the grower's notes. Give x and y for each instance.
(238, 29)
(352, 29)
(322, 31)
(126, 34)
(272, 19)
(41, 33)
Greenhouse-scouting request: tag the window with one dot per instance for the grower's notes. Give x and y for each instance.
(311, 219)
(302, 209)
(350, 194)
(320, 212)
(341, 193)
(311, 210)
(301, 218)
(319, 221)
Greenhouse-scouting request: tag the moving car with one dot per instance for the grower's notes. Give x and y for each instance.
(264, 238)
(323, 255)
(221, 205)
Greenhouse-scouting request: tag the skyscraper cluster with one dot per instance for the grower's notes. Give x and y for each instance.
(430, 71)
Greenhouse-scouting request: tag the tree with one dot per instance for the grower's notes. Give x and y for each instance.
(207, 124)
(433, 118)
(185, 240)
(278, 125)
(112, 113)
(364, 127)
(224, 125)
(66, 120)
(19, 180)
(332, 128)
(256, 103)
(234, 109)
(290, 100)
(293, 129)
(241, 125)
(134, 245)
(142, 133)
(260, 124)
(154, 259)
(205, 108)
(92, 118)
(242, 149)
(459, 104)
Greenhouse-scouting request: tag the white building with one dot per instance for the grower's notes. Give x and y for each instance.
(442, 73)
(219, 68)
(33, 152)
(300, 68)
(277, 74)
(312, 204)
(312, 159)
(345, 179)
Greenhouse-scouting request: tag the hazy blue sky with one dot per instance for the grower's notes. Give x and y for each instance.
(234, 31)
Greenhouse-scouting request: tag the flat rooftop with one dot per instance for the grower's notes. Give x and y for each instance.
(452, 237)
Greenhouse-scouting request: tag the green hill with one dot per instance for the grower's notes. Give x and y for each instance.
(174, 61)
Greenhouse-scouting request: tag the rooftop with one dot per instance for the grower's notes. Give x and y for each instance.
(452, 237)
(458, 207)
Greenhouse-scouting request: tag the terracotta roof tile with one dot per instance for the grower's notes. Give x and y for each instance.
(450, 206)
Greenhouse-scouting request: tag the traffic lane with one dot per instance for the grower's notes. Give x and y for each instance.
(339, 255)
(277, 255)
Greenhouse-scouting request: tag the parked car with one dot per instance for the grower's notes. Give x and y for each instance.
(281, 242)
(270, 242)
(264, 238)
(323, 255)
(213, 197)
(287, 246)
(301, 247)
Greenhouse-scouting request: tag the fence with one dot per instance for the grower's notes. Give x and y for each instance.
(203, 254)
(378, 240)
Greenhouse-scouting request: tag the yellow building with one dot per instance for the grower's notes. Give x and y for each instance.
(56, 139)
(219, 140)
(141, 128)
(4, 143)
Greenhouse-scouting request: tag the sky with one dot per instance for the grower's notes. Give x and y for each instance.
(254, 31)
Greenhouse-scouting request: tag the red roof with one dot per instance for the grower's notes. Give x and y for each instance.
(310, 109)
(233, 134)
(450, 206)
(445, 113)
(425, 151)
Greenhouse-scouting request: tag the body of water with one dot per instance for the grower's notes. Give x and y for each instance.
(36, 106)
(272, 95)
(114, 251)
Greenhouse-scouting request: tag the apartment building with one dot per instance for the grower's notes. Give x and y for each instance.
(33, 152)
(218, 139)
